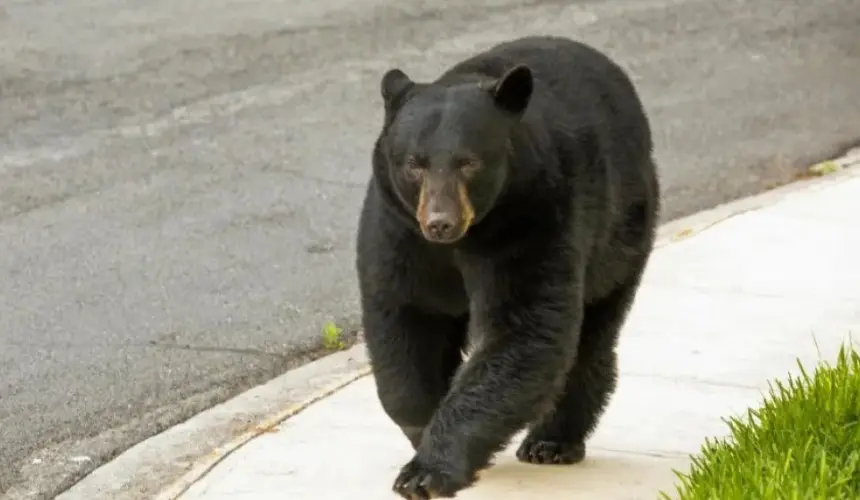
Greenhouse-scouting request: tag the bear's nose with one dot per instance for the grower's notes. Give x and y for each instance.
(440, 225)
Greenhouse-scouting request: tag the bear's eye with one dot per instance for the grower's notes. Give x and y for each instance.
(468, 166)
(414, 168)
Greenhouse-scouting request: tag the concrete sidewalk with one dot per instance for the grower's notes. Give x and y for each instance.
(725, 307)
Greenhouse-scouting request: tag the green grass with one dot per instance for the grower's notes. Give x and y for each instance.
(332, 337)
(803, 443)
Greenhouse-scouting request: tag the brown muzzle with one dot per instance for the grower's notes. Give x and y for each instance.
(444, 210)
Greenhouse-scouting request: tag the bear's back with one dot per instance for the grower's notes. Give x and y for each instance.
(575, 73)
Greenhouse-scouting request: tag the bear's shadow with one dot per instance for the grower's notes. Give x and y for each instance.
(603, 474)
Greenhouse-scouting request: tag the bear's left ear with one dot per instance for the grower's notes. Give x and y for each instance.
(394, 82)
(513, 90)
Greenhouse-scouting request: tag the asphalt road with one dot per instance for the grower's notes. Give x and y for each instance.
(179, 181)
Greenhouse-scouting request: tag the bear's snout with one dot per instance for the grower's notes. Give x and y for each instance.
(442, 227)
(444, 210)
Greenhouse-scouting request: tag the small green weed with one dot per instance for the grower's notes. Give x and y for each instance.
(332, 337)
(803, 443)
(825, 168)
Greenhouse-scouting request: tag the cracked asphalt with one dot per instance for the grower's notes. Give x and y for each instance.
(179, 181)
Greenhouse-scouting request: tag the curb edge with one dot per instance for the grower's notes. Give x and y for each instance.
(203, 466)
(680, 229)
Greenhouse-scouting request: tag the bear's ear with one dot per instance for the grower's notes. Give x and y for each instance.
(394, 82)
(513, 90)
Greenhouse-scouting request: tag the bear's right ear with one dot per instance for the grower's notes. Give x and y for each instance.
(394, 83)
(513, 91)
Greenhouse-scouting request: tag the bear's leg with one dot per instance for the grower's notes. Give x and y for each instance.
(524, 318)
(414, 356)
(559, 437)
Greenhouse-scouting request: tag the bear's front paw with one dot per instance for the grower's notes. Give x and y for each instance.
(419, 480)
(539, 451)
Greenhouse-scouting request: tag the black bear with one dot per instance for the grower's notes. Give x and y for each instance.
(510, 214)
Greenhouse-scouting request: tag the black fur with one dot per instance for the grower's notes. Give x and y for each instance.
(565, 198)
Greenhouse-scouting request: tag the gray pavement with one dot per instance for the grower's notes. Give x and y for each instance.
(179, 181)
(730, 306)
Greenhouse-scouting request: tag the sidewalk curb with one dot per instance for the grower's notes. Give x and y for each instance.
(202, 467)
(322, 378)
(170, 462)
(685, 227)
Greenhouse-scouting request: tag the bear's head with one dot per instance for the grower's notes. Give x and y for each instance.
(447, 147)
